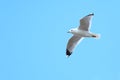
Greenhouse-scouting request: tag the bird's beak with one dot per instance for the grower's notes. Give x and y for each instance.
(68, 32)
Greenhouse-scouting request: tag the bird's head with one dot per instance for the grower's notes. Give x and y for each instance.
(71, 30)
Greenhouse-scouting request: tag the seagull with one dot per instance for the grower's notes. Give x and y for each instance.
(79, 33)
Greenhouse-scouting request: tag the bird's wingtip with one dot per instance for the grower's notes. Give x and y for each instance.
(91, 14)
(68, 53)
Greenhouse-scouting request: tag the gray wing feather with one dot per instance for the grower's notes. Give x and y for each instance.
(85, 22)
(73, 41)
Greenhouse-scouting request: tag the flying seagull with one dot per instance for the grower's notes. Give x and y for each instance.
(79, 33)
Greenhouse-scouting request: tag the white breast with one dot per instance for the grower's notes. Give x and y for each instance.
(82, 33)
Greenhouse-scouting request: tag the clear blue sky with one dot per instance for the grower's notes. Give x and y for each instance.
(33, 38)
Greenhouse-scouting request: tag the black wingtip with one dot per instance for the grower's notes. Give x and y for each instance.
(68, 53)
(91, 14)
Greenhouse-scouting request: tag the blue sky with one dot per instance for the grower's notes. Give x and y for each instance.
(33, 38)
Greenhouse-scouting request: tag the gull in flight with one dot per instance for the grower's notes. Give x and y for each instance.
(79, 33)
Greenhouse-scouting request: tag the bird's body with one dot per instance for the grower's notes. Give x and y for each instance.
(79, 33)
(82, 33)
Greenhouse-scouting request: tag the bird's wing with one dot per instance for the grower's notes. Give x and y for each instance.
(73, 41)
(85, 22)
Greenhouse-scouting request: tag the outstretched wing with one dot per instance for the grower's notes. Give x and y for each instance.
(85, 22)
(72, 43)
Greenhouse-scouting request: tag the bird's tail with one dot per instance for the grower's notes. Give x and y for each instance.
(97, 36)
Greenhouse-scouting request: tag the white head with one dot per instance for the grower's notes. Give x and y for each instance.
(72, 31)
